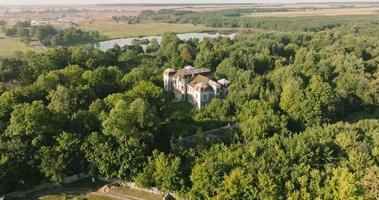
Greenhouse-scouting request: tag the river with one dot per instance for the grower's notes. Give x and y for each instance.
(105, 45)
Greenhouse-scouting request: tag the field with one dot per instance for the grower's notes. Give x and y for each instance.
(320, 12)
(79, 197)
(87, 190)
(114, 193)
(8, 46)
(109, 29)
(135, 193)
(113, 30)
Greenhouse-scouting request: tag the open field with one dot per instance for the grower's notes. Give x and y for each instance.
(113, 29)
(115, 193)
(9, 45)
(320, 12)
(87, 190)
(79, 197)
(135, 193)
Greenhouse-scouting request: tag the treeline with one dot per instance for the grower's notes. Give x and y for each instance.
(307, 105)
(48, 35)
(3, 23)
(238, 18)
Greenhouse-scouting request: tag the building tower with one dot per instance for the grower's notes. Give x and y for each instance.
(167, 79)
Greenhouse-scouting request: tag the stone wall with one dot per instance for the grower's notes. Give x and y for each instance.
(133, 186)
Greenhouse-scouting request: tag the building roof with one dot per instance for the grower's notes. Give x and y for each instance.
(199, 79)
(223, 82)
(203, 87)
(213, 136)
(200, 83)
(190, 71)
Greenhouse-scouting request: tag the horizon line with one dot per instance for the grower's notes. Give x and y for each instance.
(186, 4)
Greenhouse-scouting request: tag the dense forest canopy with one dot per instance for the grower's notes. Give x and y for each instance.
(307, 105)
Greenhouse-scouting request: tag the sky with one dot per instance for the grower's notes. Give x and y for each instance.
(71, 2)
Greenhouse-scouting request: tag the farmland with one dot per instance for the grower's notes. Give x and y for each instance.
(319, 12)
(9, 45)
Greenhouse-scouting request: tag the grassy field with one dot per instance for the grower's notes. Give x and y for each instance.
(113, 29)
(136, 193)
(87, 190)
(80, 197)
(115, 193)
(320, 12)
(9, 45)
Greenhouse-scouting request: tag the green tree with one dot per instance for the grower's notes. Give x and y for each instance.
(162, 171)
(259, 120)
(370, 183)
(62, 159)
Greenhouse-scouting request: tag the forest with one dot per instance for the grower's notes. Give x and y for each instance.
(307, 105)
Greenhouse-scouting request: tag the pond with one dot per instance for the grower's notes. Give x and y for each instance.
(105, 45)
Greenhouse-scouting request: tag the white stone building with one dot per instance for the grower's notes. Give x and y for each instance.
(194, 85)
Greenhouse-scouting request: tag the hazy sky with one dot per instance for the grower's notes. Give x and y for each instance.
(38, 2)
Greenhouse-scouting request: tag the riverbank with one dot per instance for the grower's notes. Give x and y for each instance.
(105, 45)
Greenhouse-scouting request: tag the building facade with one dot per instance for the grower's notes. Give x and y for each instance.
(194, 85)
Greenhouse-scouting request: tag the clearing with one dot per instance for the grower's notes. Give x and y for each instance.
(319, 12)
(87, 190)
(8, 46)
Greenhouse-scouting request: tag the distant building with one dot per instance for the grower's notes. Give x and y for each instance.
(194, 85)
(39, 23)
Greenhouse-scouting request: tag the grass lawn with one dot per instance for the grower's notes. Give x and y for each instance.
(80, 197)
(136, 193)
(9, 45)
(113, 29)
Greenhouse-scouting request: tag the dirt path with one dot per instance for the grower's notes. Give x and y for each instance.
(116, 196)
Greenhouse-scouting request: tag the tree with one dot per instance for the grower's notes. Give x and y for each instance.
(129, 59)
(104, 80)
(315, 104)
(10, 69)
(62, 159)
(134, 123)
(186, 54)
(162, 171)
(62, 100)
(32, 123)
(142, 73)
(113, 158)
(237, 185)
(341, 185)
(148, 92)
(370, 183)
(31, 127)
(259, 120)
(3, 23)
(153, 46)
